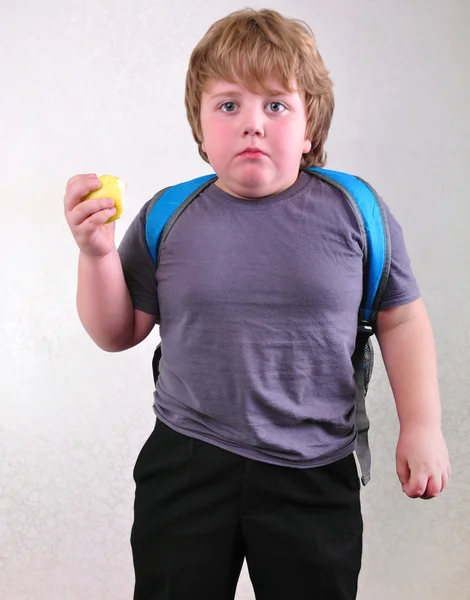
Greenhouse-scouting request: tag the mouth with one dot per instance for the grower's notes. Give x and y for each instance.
(252, 153)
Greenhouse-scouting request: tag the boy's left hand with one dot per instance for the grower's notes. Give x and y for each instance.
(422, 460)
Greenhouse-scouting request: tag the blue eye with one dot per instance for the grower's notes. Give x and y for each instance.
(228, 107)
(276, 107)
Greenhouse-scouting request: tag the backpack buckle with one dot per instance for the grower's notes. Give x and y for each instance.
(365, 328)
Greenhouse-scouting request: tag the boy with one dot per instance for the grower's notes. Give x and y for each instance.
(257, 292)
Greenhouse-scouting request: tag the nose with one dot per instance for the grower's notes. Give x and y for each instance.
(253, 130)
(253, 124)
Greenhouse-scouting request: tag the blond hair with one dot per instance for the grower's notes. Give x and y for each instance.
(249, 47)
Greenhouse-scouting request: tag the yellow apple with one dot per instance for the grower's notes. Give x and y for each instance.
(111, 187)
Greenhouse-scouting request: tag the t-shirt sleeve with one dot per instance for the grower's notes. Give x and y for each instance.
(402, 287)
(138, 266)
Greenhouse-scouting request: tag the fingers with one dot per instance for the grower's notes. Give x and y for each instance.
(84, 217)
(417, 484)
(445, 478)
(420, 485)
(422, 461)
(92, 210)
(433, 487)
(89, 225)
(77, 188)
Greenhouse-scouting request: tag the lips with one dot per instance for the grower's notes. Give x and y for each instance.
(252, 153)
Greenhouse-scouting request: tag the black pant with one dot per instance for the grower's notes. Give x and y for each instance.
(200, 510)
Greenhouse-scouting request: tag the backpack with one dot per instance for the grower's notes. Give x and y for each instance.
(168, 204)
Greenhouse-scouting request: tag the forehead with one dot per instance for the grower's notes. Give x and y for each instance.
(271, 86)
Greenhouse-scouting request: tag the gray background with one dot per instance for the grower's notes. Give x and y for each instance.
(97, 86)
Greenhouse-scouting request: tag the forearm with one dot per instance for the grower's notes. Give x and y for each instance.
(409, 355)
(104, 303)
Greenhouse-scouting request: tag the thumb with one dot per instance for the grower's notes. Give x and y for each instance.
(403, 470)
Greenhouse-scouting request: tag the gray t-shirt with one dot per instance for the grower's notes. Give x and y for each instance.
(258, 304)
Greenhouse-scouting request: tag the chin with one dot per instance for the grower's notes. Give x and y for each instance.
(254, 186)
(251, 190)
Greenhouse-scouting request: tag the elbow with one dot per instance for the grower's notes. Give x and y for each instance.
(114, 345)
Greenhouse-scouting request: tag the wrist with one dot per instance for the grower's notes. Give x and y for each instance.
(416, 424)
(96, 259)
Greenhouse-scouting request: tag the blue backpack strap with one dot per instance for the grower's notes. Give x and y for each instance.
(372, 218)
(162, 212)
(166, 206)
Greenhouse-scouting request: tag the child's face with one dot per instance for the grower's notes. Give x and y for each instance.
(234, 119)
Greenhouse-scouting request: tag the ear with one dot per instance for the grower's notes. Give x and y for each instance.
(307, 147)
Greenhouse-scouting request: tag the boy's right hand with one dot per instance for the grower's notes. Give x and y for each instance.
(87, 219)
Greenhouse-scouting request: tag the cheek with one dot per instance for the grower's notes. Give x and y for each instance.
(216, 135)
(290, 136)
(218, 128)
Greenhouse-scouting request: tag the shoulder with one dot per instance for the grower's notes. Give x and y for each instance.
(174, 195)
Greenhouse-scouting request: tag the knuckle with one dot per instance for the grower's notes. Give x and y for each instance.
(417, 489)
(92, 223)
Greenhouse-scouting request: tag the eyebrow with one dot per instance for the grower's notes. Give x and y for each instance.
(237, 93)
(226, 93)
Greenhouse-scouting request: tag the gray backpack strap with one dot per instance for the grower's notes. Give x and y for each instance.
(371, 215)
